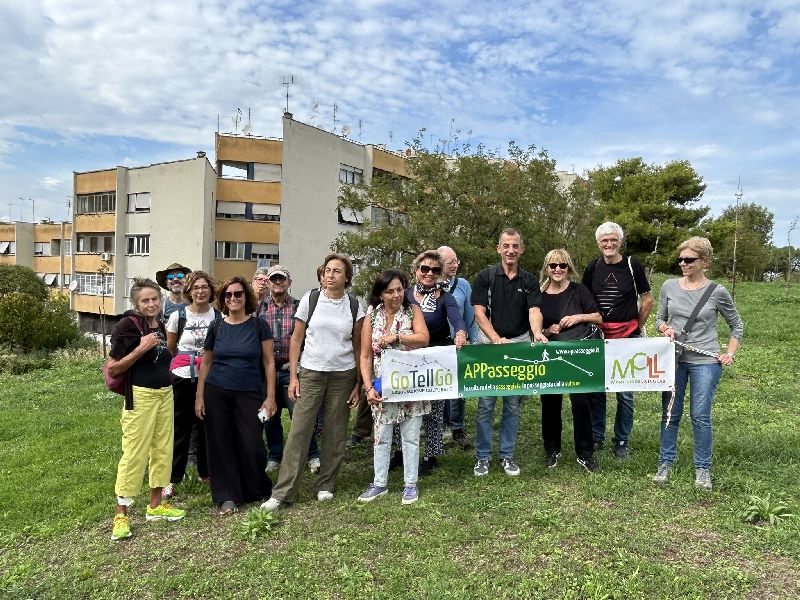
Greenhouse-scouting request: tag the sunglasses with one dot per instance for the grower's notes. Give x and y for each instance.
(277, 278)
(687, 259)
(426, 269)
(236, 294)
(562, 266)
(172, 276)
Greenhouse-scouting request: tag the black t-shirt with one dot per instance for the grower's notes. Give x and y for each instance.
(575, 300)
(152, 368)
(612, 286)
(511, 299)
(237, 354)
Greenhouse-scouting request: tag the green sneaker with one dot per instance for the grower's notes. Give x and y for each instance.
(121, 528)
(165, 511)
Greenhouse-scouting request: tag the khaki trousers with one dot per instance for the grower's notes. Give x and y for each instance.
(147, 436)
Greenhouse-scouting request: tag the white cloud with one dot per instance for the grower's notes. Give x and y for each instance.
(49, 183)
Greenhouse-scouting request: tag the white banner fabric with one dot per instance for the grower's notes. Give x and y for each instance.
(640, 364)
(424, 374)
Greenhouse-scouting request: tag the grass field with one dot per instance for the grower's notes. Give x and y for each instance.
(557, 533)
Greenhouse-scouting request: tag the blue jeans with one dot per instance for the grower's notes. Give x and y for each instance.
(274, 427)
(409, 432)
(704, 379)
(509, 425)
(454, 413)
(623, 421)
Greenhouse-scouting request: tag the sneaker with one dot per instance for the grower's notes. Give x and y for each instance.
(355, 440)
(427, 466)
(447, 434)
(410, 494)
(168, 491)
(599, 445)
(551, 459)
(313, 465)
(461, 439)
(481, 468)
(272, 505)
(589, 463)
(228, 508)
(324, 496)
(165, 511)
(273, 465)
(372, 492)
(662, 474)
(702, 479)
(510, 467)
(621, 450)
(121, 528)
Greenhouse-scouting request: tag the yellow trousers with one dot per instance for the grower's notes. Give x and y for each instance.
(147, 434)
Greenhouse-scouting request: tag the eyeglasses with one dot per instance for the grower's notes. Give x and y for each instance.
(562, 266)
(277, 278)
(424, 269)
(200, 288)
(235, 294)
(455, 262)
(608, 242)
(687, 259)
(172, 276)
(260, 280)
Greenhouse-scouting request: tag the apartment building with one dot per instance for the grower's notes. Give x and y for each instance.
(45, 247)
(131, 222)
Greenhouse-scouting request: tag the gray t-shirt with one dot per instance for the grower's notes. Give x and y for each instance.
(675, 305)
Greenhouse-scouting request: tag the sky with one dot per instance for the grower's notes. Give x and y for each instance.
(90, 85)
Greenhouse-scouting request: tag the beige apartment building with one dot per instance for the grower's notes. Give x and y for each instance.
(45, 247)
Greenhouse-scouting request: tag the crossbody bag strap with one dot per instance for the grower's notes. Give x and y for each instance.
(700, 303)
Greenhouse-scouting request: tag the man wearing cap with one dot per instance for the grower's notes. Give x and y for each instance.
(171, 279)
(278, 308)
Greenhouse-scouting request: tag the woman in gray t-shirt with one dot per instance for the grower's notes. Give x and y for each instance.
(700, 363)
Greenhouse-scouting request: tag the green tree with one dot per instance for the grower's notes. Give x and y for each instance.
(655, 205)
(753, 233)
(463, 201)
(16, 278)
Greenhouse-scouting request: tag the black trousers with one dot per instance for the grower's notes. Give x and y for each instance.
(183, 394)
(236, 453)
(581, 419)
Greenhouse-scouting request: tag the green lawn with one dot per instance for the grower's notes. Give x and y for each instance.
(546, 534)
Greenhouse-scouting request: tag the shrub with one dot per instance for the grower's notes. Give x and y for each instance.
(18, 364)
(28, 323)
(16, 278)
(257, 523)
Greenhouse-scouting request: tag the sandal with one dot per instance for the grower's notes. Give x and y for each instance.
(228, 507)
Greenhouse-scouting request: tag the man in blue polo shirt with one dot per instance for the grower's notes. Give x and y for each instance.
(506, 300)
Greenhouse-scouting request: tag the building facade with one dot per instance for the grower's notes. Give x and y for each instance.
(45, 247)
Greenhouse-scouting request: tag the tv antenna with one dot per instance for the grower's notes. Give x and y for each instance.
(359, 130)
(345, 131)
(248, 128)
(236, 119)
(335, 108)
(314, 111)
(287, 81)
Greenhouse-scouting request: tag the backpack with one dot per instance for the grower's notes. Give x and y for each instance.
(314, 298)
(182, 320)
(118, 383)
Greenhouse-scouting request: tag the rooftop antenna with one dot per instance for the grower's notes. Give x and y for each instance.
(69, 208)
(335, 108)
(391, 138)
(345, 131)
(248, 128)
(359, 130)
(286, 81)
(314, 111)
(236, 118)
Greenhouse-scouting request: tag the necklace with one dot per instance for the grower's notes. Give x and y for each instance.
(691, 286)
(333, 300)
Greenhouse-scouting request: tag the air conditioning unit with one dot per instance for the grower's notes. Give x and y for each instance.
(105, 256)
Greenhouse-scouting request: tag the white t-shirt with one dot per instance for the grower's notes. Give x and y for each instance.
(193, 336)
(329, 335)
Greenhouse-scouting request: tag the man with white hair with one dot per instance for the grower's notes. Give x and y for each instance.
(462, 292)
(617, 282)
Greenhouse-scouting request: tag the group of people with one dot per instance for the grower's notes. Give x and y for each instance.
(226, 373)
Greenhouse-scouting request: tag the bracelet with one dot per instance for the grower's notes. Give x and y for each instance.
(366, 391)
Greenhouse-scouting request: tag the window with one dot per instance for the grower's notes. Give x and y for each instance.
(95, 284)
(67, 278)
(349, 216)
(138, 244)
(384, 216)
(67, 247)
(264, 252)
(139, 203)
(235, 170)
(95, 243)
(41, 248)
(51, 279)
(88, 204)
(8, 247)
(351, 175)
(55, 247)
(248, 211)
(230, 250)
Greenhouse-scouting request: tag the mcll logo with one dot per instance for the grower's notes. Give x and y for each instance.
(635, 365)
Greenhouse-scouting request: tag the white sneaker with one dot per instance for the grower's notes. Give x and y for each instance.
(324, 496)
(273, 465)
(313, 465)
(271, 505)
(447, 434)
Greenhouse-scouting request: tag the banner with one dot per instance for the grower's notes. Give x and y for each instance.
(438, 373)
(639, 364)
(424, 374)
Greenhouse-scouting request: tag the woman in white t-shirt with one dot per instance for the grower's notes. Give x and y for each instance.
(186, 332)
(328, 322)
